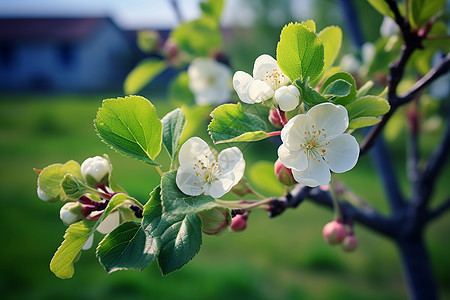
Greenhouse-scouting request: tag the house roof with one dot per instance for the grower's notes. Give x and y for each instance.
(58, 29)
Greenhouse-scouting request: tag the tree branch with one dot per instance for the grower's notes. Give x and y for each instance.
(438, 211)
(368, 217)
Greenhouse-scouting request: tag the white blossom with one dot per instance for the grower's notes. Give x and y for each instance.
(97, 167)
(70, 213)
(287, 97)
(315, 143)
(200, 173)
(42, 195)
(388, 27)
(267, 78)
(209, 81)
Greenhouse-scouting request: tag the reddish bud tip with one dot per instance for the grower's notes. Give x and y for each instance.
(275, 119)
(283, 174)
(350, 243)
(334, 232)
(239, 223)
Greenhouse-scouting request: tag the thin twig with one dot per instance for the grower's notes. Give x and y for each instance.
(438, 211)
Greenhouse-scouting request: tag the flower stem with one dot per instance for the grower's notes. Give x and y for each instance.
(244, 204)
(159, 171)
(274, 133)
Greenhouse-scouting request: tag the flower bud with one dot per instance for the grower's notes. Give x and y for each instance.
(239, 223)
(71, 213)
(215, 220)
(283, 174)
(334, 232)
(241, 188)
(287, 97)
(41, 194)
(275, 119)
(350, 243)
(96, 170)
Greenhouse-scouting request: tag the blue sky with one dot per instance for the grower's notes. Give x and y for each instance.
(127, 13)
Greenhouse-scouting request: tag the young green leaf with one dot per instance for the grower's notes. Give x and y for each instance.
(212, 8)
(173, 126)
(363, 122)
(309, 96)
(367, 106)
(310, 24)
(127, 247)
(382, 7)
(198, 37)
(331, 38)
(420, 11)
(334, 79)
(362, 91)
(143, 74)
(73, 187)
(130, 126)
(231, 124)
(300, 53)
(51, 177)
(177, 203)
(178, 237)
(75, 237)
(180, 240)
(337, 88)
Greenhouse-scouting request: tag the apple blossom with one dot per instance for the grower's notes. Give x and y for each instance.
(71, 213)
(350, 243)
(200, 173)
(97, 168)
(315, 142)
(283, 174)
(209, 81)
(267, 78)
(239, 222)
(287, 98)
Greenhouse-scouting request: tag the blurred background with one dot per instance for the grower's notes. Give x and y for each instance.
(60, 59)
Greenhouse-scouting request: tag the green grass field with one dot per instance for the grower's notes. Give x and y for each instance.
(281, 258)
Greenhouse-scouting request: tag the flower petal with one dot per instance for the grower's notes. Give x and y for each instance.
(220, 187)
(263, 64)
(333, 118)
(293, 159)
(241, 81)
(259, 91)
(193, 150)
(287, 97)
(293, 133)
(188, 182)
(232, 160)
(342, 153)
(109, 223)
(316, 174)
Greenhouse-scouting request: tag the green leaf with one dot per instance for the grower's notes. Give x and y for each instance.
(179, 91)
(363, 122)
(262, 176)
(309, 96)
(73, 187)
(367, 106)
(130, 126)
(177, 236)
(173, 126)
(420, 11)
(230, 123)
(331, 38)
(127, 247)
(382, 7)
(51, 177)
(197, 117)
(76, 236)
(364, 89)
(199, 37)
(309, 24)
(180, 241)
(300, 53)
(345, 77)
(338, 88)
(212, 8)
(177, 203)
(143, 74)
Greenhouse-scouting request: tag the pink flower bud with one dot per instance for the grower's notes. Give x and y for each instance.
(239, 223)
(275, 119)
(334, 232)
(350, 243)
(283, 174)
(215, 221)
